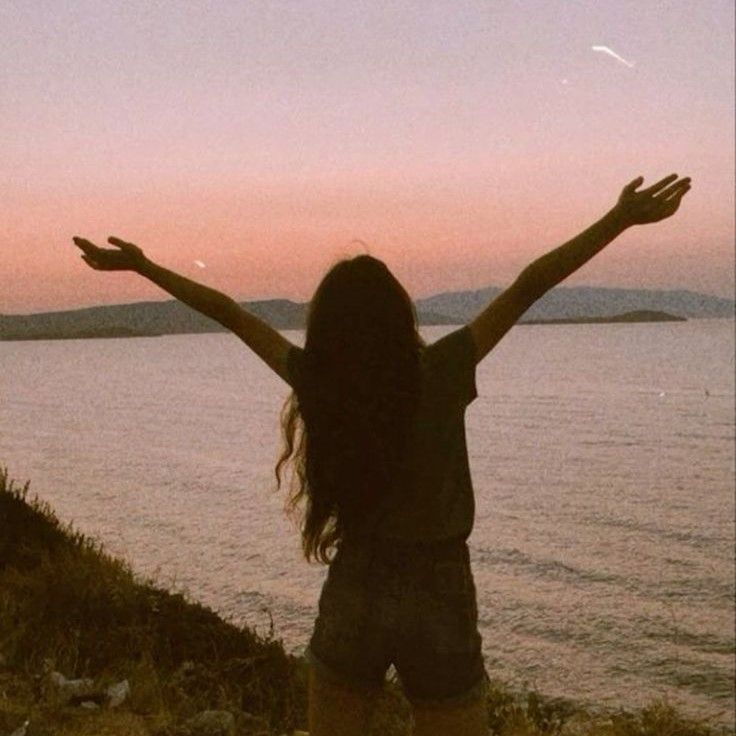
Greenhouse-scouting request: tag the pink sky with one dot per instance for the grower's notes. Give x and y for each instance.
(262, 138)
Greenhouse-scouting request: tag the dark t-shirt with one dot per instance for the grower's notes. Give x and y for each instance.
(435, 498)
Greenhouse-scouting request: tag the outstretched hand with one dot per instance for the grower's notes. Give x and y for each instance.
(653, 204)
(125, 257)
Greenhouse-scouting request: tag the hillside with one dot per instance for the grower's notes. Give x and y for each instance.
(585, 301)
(173, 317)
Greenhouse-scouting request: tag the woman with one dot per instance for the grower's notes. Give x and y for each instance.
(374, 429)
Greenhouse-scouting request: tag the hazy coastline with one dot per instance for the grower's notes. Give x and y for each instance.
(111, 332)
(562, 305)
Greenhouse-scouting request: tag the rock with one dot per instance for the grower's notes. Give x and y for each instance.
(74, 692)
(118, 693)
(212, 723)
(98, 699)
(89, 704)
(69, 688)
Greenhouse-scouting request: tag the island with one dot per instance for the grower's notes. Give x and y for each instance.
(640, 315)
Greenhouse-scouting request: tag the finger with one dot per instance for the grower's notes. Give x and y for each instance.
(677, 189)
(124, 245)
(85, 245)
(632, 185)
(670, 206)
(660, 184)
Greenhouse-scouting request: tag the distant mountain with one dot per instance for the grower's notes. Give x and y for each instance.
(584, 301)
(163, 317)
(154, 318)
(173, 317)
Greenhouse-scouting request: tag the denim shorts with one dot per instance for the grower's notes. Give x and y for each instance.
(410, 604)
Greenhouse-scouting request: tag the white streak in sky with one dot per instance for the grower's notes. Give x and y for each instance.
(199, 263)
(608, 51)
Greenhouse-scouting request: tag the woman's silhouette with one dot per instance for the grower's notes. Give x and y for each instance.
(374, 429)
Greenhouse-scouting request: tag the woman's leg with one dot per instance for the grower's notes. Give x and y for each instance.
(337, 709)
(470, 719)
(439, 657)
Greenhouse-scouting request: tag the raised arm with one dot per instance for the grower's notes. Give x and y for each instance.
(264, 340)
(656, 203)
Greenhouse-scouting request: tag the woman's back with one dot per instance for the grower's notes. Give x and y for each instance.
(432, 498)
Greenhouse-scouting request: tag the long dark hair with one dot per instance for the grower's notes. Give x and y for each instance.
(346, 423)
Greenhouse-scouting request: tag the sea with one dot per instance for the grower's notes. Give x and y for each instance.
(602, 457)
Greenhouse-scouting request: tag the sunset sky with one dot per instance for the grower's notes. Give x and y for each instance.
(458, 140)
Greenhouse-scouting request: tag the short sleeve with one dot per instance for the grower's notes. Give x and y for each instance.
(294, 360)
(452, 360)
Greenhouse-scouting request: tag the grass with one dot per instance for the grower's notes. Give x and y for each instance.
(66, 605)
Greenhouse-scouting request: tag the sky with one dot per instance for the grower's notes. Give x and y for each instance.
(458, 141)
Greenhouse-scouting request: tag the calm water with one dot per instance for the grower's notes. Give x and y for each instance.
(602, 458)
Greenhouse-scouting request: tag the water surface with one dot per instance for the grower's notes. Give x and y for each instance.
(602, 458)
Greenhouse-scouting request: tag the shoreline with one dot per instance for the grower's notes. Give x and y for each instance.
(631, 317)
(86, 614)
